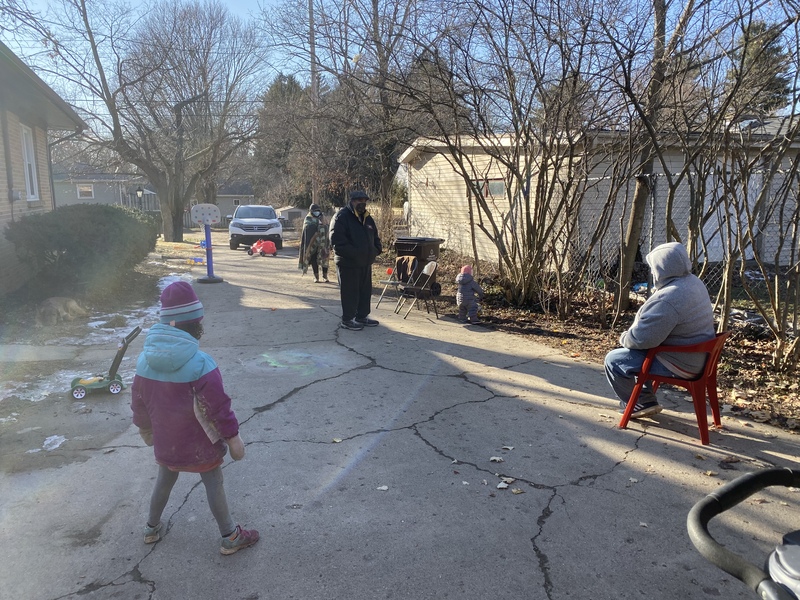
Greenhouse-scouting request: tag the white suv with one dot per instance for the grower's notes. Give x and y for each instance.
(253, 222)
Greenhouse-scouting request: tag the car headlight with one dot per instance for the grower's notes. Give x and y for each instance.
(237, 224)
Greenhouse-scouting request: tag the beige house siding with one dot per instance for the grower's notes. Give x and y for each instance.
(12, 272)
(25, 100)
(438, 206)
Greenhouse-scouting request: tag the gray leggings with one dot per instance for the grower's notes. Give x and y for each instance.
(215, 492)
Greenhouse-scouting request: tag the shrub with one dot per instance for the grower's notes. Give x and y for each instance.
(83, 247)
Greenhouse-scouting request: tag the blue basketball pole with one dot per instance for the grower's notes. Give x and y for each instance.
(210, 277)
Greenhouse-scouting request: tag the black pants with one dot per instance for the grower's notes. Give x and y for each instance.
(315, 267)
(355, 288)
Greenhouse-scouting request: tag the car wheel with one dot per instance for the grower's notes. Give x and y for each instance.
(279, 244)
(78, 392)
(234, 246)
(262, 253)
(250, 252)
(115, 387)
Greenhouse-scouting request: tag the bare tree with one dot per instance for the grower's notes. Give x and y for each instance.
(524, 131)
(169, 87)
(357, 45)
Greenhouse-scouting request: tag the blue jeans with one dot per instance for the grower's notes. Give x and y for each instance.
(622, 365)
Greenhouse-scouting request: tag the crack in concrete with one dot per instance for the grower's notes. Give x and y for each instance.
(134, 576)
(541, 556)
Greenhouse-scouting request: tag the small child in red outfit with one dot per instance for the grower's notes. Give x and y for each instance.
(182, 410)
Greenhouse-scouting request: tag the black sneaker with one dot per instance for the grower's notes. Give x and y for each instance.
(647, 409)
(352, 324)
(367, 322)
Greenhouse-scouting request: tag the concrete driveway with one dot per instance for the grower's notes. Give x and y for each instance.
(372, 470)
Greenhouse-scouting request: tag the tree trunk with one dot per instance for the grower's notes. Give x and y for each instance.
(633, 233)
(650, 110)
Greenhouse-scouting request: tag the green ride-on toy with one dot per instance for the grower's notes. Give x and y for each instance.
(111, 382)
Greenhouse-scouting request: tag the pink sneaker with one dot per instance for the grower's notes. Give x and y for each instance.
(240, 538)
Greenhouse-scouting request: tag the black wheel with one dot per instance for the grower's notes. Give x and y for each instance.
(234, 246)
(250, 252)
(115, 387)
(279, 244)
(262, 253)
(276, 254)
(78, 392)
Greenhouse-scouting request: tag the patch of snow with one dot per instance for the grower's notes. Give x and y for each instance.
(53, 442)
(38, 389)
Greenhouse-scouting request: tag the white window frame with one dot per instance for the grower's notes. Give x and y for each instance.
(86, 187)
(29, 165)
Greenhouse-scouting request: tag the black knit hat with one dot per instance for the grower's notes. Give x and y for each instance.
(314, 207)
(358, 194)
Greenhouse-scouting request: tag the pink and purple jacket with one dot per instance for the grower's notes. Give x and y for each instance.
(177, 392)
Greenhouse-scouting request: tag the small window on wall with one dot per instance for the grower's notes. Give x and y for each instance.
(492, 188)
(86, 192)
(29, 164)
(495, 188)
(236, 201)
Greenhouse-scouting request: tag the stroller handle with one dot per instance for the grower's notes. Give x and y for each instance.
(723, 499)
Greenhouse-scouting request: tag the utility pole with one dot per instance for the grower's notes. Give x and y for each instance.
(177, 199)
(312, 46)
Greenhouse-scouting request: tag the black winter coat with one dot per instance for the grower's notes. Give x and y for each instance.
(355, 242)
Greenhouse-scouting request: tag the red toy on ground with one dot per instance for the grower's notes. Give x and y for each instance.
(263, 247)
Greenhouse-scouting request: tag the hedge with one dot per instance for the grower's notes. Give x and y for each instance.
(88, 248)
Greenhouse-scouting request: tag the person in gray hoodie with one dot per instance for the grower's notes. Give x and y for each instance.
(679, 313)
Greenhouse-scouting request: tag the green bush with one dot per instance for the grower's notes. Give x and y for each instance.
(89, 248)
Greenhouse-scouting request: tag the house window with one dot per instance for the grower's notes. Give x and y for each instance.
(86, 191)
(29, 164)
(495, 188)
(237, 201)
(492, 188)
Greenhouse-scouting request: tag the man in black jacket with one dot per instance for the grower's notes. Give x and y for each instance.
(356, 243)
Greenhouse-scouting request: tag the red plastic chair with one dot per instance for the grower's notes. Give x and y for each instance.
(704, 383)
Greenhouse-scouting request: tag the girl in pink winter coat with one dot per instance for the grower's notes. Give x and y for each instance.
(182, 410)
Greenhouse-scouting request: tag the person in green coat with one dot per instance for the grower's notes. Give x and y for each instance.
(315, 247)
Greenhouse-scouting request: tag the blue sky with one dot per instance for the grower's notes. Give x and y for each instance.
(241, 8)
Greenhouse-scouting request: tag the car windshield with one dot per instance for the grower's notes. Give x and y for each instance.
(255, 212)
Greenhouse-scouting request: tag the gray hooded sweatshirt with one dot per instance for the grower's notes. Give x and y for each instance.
(678, 313)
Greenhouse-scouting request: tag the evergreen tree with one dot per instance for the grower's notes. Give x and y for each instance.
(758, 78)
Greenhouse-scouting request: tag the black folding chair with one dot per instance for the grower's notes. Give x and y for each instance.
(403, 272)
(423, 288)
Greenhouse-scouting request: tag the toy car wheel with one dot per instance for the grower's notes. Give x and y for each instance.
(276, 254)
(79, 392)
(250, 252)
(115, 387)
(262, 253)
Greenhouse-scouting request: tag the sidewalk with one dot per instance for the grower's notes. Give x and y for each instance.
(372, 471)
